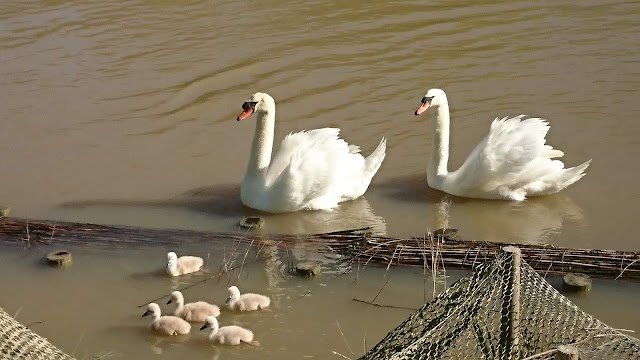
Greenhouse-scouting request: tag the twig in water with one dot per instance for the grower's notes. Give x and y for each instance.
(357, 271)
(379, 291)
(104, 355)
(364, 343)
(17, 312)
(623, 270)
(434, 263)
(52, 231)
(79, 341)
(337, 353)
(34, 323)
(423, 250)
(244, 259)
(547, 272)
(345, 341)
(383, 305)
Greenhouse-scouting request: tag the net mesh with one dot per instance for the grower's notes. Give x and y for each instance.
(476, 319)
(18, 342)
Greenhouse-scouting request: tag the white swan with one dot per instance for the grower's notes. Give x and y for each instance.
(182, 265)
(168, 325)
(195, 311)
(246, 302)
(229, 335)
(312, 170)
(510, 163)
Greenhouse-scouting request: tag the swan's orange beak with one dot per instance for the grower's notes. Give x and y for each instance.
(247, 109)
(423, 107)
(244, 114)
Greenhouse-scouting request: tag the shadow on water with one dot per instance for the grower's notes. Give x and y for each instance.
(223, 201)
(414, 188)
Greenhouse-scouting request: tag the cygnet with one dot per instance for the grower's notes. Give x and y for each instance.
(195, 311)
(182, 265)
(229, 335)
(246, 302)
(169, 325)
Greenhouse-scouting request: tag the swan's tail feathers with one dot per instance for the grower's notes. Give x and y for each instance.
(373, 161)
(574, 174)
(565, 178)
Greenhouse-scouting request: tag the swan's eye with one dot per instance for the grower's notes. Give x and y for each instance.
(427, 99)
(249, 105)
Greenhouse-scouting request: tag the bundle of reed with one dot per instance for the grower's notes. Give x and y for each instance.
(466, 254)
(352, 244)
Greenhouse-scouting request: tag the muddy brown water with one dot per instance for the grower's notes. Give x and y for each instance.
(124, 113)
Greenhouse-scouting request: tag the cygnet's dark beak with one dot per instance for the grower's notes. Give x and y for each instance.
(145, 313)
(203, 327)
(169, 302)
(228, 299)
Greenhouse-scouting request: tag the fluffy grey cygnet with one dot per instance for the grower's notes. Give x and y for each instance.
(177, 266)
(168, 325)
(195, 311)
(228, 335)
(246, 302)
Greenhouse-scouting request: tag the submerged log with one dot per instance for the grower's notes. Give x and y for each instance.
(357, 245)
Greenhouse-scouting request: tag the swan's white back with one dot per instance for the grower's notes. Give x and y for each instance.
(312, 170)
(512, 162)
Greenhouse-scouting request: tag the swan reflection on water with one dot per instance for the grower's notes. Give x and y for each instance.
(532, 221)
(353, 214)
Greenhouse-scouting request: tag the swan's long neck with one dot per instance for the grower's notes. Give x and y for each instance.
(440, 153)
(214, 331)
(262, 144)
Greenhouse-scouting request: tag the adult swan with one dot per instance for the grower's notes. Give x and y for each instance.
(312, 170)
(510, 163)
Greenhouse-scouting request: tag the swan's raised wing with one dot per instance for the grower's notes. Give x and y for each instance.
(305, 166)
(296, 145)
(510, 155)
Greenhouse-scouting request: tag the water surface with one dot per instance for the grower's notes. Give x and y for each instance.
(123, 112)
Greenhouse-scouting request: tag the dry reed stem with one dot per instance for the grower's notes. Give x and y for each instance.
(345, 341)
(384, 305)
(337, 353)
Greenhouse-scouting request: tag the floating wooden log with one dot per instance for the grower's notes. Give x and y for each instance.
(357, 244)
